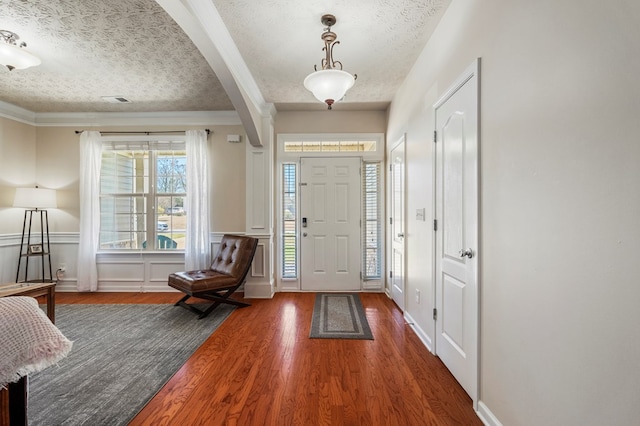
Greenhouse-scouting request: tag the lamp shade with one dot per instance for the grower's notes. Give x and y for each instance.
(13, 56)
(329, 85)
(35, 198)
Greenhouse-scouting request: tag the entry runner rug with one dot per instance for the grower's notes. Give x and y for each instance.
(122, 355)
(339, 316)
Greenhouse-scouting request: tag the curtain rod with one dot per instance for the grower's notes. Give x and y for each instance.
(141, 133)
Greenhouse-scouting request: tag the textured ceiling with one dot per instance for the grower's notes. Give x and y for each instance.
(379, 41)
(132, 48)
(94, 48)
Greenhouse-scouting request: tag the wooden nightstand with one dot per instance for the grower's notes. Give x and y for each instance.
(35, 289)
(13, 399)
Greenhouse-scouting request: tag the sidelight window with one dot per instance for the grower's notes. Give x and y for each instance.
(289, 222)
(372, 223)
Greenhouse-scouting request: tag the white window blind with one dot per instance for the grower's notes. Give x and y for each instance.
(289, 221)
(372, 213)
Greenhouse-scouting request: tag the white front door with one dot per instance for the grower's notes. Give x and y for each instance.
(457, 231)
(330, 224)
(397, 224)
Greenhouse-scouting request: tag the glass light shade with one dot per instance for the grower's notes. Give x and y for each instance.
(35, 198)
(16, 57)
(329, 84)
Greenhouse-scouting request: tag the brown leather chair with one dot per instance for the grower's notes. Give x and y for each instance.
(227, 272)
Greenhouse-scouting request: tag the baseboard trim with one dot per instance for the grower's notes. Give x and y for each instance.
(487, 417)
(71, 286)
(259, 290)
(424, 337)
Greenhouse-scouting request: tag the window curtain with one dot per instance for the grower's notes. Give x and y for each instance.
(90, 162)
(198, 247)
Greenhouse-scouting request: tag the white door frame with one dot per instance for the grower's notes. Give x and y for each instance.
(472, 71)
(392, 238)
(284, 156)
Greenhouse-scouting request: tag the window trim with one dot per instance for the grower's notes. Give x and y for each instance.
(123, 142)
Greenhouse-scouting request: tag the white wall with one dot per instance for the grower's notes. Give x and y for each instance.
(18, 169)
(560, 205)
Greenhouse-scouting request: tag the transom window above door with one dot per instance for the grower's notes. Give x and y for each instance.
(330, 146)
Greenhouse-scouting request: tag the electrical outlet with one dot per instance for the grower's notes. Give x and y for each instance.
(62, 267)
(417, 296)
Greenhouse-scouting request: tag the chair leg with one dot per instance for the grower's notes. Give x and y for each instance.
(203, 314)
(181, 301)
(216, 297)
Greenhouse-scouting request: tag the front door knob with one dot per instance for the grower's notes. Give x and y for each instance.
(466, 253)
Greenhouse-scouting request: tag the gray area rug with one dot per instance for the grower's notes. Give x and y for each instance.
(339, 316)
(122, 355)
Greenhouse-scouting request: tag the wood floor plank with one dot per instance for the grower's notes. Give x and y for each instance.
(261, 367)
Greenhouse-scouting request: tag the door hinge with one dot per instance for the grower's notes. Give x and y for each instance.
(435, 136)
(435, 314)
(390, 167)
(390, 274)
(390, 221)
(435, 224)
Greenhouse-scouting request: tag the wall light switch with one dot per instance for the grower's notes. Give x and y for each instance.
(420, 214)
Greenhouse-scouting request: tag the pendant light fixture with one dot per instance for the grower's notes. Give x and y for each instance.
(12, 54)
(330, 84)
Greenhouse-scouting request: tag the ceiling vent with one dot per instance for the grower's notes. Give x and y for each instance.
(116, 99)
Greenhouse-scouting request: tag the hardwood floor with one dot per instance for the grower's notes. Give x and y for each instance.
(260, 367)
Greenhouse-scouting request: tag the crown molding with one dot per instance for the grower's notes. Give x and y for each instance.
(16, 113)
(102, 119)
(162, 118)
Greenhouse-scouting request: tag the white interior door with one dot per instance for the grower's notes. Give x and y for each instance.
(330, 224)
(457, 234)
(397, 224)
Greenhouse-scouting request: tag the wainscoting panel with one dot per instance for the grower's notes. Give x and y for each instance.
(256, 191)
(134, 272)
(259, 262)
(143, 272)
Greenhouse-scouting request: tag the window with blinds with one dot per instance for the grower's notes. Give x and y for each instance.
(289, 222)
(142, 196)
(372, 188)
(330, 146)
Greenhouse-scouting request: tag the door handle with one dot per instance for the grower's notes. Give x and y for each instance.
(400, 234)
(304, 234)
(468, 253)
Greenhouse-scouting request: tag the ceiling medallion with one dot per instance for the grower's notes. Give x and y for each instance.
(12, 54)
(330, 84)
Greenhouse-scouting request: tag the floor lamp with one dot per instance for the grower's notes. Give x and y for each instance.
(36, 201)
